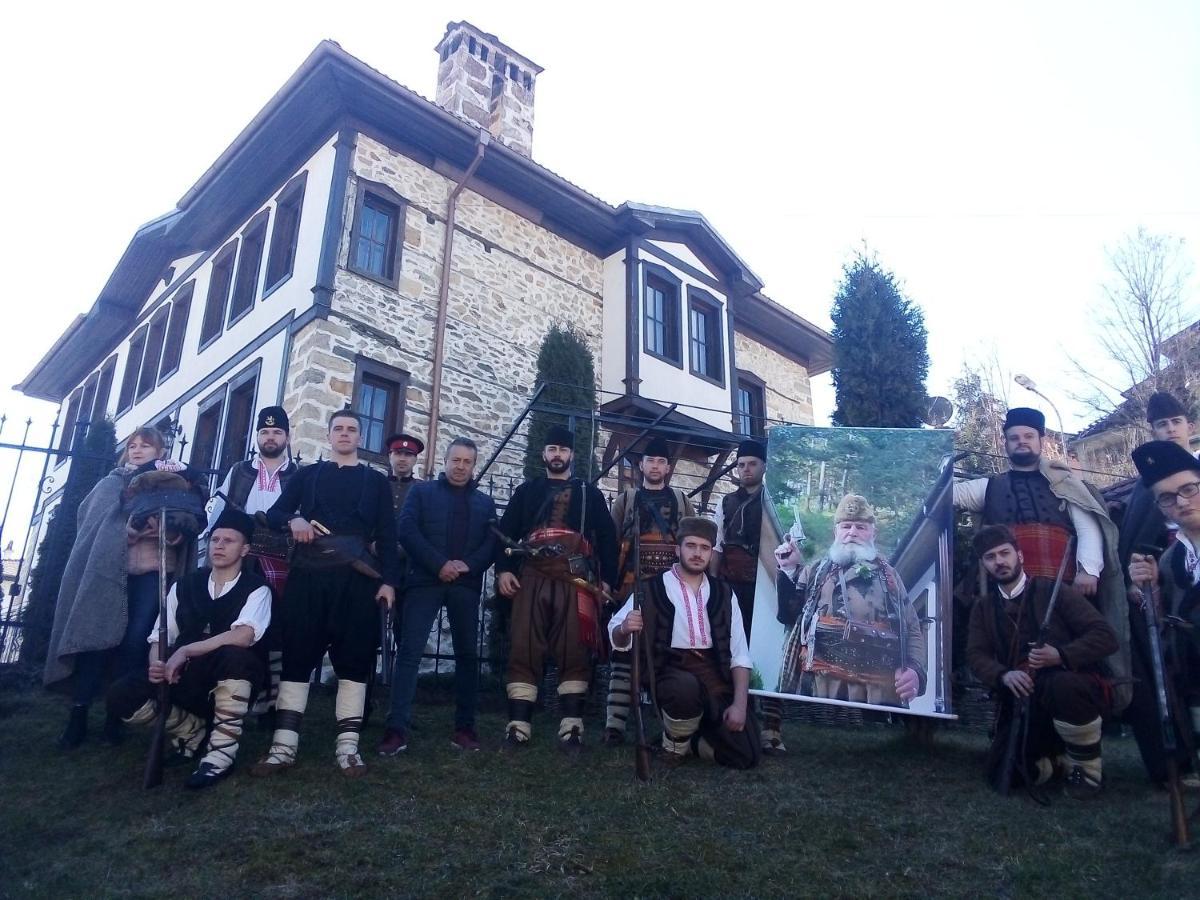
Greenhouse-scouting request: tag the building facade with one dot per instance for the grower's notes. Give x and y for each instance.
(358, 245)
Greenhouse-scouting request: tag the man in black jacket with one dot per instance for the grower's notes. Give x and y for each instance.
(445, 527)
(336, 510)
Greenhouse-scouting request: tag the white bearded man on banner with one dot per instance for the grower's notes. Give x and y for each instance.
(853, 634)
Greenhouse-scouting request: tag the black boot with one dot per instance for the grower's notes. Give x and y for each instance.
(114, 729)
(76, 731)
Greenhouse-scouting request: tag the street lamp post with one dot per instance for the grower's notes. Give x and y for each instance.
(1028, 383)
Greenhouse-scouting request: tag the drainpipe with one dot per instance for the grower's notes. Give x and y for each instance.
(439, 328)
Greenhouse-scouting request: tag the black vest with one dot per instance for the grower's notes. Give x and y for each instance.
(741, 517)
(1024, 498)
(243, 475)
(658, 614)
(199, 616)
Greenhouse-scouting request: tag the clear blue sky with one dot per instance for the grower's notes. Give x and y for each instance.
(987, 152)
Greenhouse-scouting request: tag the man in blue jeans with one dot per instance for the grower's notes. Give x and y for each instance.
(446, 528)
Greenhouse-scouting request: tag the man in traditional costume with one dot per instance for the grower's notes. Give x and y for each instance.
(656, 509)
(853, 634)
(253, 485)
(1044, 505)
(1172, 475)
(337, 510)
(402, 451)
(700, 663)
(216, 618)
(1067, 691)
(739, 525)
(562, 545)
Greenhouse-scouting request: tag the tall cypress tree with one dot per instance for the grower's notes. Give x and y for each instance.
(880, 353)
(96, 461)
(566, 367)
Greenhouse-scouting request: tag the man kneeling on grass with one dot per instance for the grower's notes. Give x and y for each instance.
(700, 662)
(216, 619)
(1062, 678)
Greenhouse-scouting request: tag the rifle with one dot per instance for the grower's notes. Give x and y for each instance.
(520, 548)
(1019, 727)
(1164, 696)
(641, 759)
(385, 648)
(158, 742)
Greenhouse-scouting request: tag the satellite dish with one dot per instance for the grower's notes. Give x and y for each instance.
(938, 411)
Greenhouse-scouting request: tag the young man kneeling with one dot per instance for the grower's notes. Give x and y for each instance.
(216, 618)
(701, 665)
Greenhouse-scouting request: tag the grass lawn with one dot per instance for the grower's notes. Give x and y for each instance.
(849, 812)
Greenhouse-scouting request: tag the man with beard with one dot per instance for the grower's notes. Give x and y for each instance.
(1172, 475)
(1044, 505)
(1062, 677)
(847, 635)
(1143, 525)
(700, 672)
(565, 543)
(657, 509)
(336, 510)
(735, 560)
(253, 485)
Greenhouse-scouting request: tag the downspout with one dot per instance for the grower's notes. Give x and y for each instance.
(439, 328)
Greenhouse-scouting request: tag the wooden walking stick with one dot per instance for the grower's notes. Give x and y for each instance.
(641, 748)
(158, 742)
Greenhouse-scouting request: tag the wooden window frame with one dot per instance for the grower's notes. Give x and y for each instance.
(251, 254)
(708, 305)
(108, 373)
(395, 252)
(215, 398)
(394, 422)
(673, 338)
(289, 202)
(133, 370)
(249, 375)
(181, 310)
(215, 306)
(66, 439)
(156, 339)
(758, 389)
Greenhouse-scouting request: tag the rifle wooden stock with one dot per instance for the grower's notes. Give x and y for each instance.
(1164, 698)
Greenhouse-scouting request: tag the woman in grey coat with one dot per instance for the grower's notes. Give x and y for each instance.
(108, 601)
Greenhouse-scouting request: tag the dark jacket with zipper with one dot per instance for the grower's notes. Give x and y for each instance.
(426, 528)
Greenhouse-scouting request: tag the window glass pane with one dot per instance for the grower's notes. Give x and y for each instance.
(285, 235)
(133, 367)
(173, 350)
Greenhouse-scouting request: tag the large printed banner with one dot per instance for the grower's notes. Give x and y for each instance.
(853, 600)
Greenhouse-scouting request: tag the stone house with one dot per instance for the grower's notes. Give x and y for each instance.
(359, 245)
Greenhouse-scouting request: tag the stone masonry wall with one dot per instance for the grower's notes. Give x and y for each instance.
(788, 393)
(510, 280)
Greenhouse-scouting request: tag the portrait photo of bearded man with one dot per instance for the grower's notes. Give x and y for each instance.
(852, 632)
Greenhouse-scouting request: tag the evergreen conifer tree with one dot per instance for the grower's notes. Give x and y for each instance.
(880, 353)
(96, 461)
(567, 368)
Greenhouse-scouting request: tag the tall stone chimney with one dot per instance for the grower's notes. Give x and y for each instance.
(489, 83)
